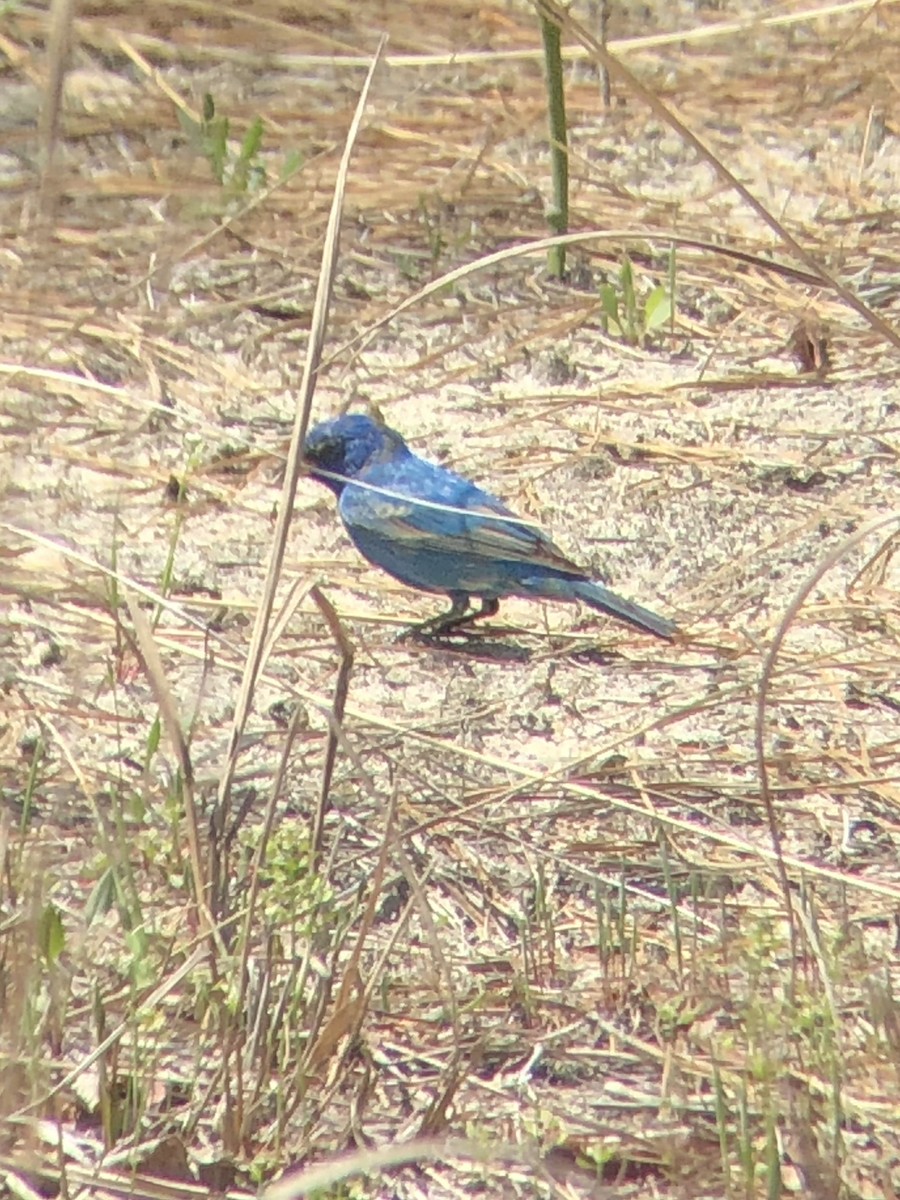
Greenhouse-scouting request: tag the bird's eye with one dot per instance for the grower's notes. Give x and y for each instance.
(324, 452)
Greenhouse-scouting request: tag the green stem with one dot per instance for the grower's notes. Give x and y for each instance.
(558, 217)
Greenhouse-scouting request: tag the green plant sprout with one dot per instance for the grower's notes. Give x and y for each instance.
(237, 169)
(631, 319)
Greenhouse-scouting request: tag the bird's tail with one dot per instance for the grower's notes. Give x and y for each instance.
(601, 598)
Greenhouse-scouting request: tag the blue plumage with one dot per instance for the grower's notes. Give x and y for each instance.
(436, 531)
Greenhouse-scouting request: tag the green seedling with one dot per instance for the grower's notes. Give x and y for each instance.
(237, 168)
(628, 316)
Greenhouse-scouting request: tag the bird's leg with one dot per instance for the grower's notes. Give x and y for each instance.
(459, 603)
(488, 608)
(458, 617)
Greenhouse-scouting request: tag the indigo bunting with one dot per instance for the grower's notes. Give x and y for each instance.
(436, 531)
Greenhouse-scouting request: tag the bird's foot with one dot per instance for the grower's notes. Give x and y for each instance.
(453, 622)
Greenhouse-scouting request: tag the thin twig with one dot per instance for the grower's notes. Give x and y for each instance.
(335, 722)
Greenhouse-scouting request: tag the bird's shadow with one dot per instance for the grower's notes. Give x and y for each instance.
(494, 645)
(485, 645)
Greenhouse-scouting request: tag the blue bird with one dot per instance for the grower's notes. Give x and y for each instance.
(435, 531)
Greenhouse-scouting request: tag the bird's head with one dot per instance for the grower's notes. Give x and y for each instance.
(345, 445)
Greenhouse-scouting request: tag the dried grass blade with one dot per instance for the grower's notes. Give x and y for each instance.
(156, 677)
(292, 471)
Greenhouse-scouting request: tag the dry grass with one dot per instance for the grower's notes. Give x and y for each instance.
(563, 913)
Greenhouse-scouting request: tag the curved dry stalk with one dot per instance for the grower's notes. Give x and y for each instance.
(829, 561)
(541, 245)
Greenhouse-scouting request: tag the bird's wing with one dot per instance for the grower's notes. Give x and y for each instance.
(427, 508)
